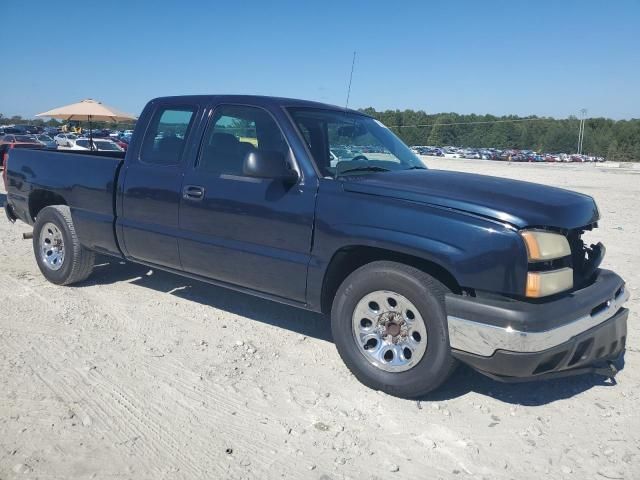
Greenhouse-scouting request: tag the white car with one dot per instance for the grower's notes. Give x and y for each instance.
(65, 139)
(99, 144)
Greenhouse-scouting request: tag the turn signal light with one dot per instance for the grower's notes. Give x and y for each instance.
(543, 284)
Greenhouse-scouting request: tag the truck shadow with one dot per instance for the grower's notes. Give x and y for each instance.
(464, 380)
(535, 393)
(306, 323)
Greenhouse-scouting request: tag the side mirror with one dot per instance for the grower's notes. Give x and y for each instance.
(268, 164)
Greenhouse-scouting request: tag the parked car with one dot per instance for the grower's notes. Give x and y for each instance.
(26, 129)
(51, 131)
(14, 130)
(65, 139)
(121, 142)
(417, 268)
(46, 141)
(13, 138)
(101, 133)
(99, 144)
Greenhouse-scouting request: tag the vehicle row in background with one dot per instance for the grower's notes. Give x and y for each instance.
(55, 137)
(513, 155)
(49, 136)
(63, 141)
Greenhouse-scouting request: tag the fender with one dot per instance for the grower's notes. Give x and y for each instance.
(487, 266)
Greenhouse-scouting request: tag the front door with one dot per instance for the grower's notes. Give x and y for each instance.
(255, 233)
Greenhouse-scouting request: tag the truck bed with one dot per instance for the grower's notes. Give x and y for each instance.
(85, 181)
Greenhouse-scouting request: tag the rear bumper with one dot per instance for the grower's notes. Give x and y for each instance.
(511, 338)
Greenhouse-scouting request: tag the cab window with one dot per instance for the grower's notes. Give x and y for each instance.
(235, 131)
(165, 138)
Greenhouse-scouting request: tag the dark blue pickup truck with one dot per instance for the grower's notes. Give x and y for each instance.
(326, 209)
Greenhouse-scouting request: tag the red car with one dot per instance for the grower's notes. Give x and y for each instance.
(121, 143)
(11, 138)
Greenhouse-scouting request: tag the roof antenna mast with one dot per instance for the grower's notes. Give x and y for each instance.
(353, 63)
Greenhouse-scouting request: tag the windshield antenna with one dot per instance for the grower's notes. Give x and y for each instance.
(353, 63)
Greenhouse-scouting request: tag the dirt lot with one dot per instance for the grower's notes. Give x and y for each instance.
(146, 375)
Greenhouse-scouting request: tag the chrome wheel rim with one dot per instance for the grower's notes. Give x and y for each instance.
(389, 331)
(51, 246)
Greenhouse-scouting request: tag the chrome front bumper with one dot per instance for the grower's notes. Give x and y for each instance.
(520, 332)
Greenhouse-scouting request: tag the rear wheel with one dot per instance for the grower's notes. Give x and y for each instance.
(60, 257)
(389, 326)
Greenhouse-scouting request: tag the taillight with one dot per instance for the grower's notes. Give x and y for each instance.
(5, 161)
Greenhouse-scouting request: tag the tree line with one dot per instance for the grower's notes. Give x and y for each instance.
(617, 140)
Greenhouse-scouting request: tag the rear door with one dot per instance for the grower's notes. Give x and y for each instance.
(151, 188)
(255, 233)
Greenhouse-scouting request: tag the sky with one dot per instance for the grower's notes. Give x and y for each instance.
(543, 57)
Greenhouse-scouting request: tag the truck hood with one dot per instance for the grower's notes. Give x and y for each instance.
(522, 204)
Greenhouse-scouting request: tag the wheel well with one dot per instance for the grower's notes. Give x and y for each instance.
(348, 259)
(41, 199)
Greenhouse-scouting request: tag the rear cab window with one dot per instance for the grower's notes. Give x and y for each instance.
(166, 135)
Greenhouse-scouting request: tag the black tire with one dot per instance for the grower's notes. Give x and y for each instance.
(78, 261)
(427, 294)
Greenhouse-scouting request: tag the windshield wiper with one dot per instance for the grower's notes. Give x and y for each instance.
(416, 167)
(368, 168)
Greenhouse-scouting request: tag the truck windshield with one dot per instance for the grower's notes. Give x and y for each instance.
(346, 143)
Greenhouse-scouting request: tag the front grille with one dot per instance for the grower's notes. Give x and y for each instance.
(578, 254)
(584, 260)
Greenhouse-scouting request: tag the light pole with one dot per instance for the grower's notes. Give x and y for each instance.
(583, 112)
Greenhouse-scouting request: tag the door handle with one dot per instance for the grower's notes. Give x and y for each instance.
(193, 192)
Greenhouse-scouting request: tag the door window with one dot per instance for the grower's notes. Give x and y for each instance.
(233, 133)
(165, 138)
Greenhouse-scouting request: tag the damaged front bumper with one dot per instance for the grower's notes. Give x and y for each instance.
(507, 339)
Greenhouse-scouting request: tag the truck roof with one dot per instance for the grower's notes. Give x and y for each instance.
(261, 100)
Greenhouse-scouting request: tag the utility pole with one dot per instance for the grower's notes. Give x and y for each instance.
(583, 112)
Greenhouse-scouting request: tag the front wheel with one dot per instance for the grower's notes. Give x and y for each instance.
(60, 256)
(389, 326)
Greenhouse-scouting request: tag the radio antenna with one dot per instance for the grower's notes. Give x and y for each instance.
(353, 63)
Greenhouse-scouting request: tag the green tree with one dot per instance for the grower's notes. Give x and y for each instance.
(602, 137)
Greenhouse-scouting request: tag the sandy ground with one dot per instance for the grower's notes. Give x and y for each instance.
(146, 375)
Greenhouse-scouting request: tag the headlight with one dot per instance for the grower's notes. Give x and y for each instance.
(542, 284)
(542, 245)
